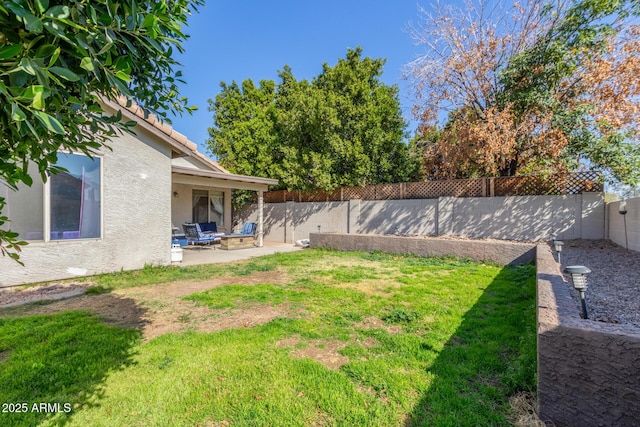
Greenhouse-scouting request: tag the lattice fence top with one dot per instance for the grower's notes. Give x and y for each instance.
(572, 183)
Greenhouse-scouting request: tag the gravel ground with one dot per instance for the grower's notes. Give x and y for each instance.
(614, 282)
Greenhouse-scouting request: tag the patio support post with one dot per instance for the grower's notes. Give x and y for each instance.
(260, 217)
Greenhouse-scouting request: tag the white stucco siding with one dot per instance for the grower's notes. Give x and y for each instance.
(187, 162)
(136, 220)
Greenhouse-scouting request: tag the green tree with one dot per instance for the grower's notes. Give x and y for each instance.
(59, 58)
(344, 127)
(583, 74)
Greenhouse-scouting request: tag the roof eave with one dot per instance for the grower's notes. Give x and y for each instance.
(221, 175)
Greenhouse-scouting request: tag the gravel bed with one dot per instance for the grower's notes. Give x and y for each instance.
(613, 294)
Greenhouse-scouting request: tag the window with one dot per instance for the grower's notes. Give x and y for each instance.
(71, 201)
(208, 206)
(75, 198)
(25, 209)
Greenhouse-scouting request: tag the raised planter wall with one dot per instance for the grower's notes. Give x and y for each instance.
(588, 372)
(503, 253)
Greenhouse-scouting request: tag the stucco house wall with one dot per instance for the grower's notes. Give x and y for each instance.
(136, 219)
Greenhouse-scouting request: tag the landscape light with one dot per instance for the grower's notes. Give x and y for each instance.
(557, 244)
(622, 209)
(579, 279)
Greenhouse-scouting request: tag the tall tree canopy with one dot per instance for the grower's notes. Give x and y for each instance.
(58, 58)
(535, 87)
(345, 127)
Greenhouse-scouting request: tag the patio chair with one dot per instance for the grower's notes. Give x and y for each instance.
(210, 229)
(248, 229)
(195, 236)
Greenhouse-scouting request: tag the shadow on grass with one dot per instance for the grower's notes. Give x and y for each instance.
(489, 358)
(52, 364)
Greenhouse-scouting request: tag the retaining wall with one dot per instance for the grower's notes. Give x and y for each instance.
(588, 371)
(503, 253)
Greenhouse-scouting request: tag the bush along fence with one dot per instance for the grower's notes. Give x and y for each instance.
(568, 184)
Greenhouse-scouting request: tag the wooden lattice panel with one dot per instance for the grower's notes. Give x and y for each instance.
(387, 191)
(277, 196)
(420, 190)
(584, 182)
(451, 188)
(335, 195)
(573, 183)
(528, 186)
(314, 196)
(355, 193)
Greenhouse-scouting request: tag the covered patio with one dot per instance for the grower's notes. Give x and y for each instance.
(204, 195)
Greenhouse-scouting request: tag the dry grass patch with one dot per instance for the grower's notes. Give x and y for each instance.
(370, 323)
(524, 410)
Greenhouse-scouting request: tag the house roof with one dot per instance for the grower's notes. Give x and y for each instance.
(181, 146)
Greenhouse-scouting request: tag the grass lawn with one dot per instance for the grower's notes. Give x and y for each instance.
(368, 339)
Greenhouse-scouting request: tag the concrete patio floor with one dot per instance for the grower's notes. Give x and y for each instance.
(193, 255)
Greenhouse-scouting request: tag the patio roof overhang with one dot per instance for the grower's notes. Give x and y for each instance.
(191, 176)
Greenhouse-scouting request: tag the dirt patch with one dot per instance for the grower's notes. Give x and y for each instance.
(113, 309)
(375, 287)
(156, 309)
(186, 315)
(4, 355)
(14, 297)
(326, 352)
(374, 323)
(322, 351)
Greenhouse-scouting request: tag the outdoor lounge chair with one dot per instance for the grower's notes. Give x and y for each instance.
(248, 229)
(195, 236)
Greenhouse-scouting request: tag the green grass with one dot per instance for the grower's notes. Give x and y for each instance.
(451, 341)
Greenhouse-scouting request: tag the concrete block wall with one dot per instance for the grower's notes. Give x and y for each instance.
(136, 217)
(529, 218)
(588, 372)
(503, 253)
(383, 216)
(617, 227)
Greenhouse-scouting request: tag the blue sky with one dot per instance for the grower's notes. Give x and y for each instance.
(235, 40)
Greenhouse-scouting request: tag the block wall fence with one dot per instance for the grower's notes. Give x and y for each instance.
(616, 224)
(524, 218)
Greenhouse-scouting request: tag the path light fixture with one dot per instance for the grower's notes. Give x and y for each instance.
(622, 209)
(558, 244)
(579, 279)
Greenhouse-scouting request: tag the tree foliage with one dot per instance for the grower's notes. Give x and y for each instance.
(59, 58)
(531, 88)
(344, 127)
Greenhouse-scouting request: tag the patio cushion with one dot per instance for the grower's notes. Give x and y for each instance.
(208, 227)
